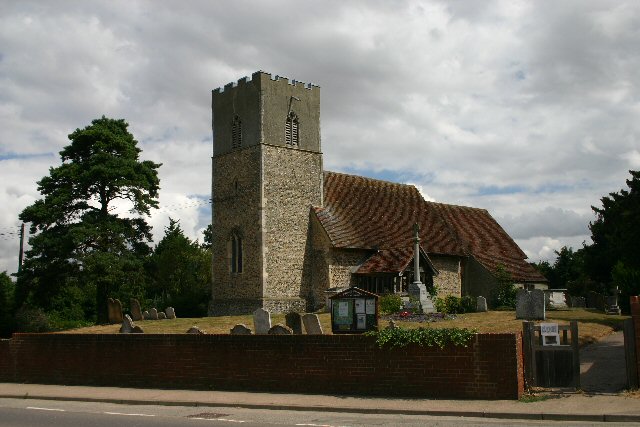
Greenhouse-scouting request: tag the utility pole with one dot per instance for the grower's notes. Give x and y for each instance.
(20, 255)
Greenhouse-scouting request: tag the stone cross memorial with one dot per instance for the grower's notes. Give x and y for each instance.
(261, 321)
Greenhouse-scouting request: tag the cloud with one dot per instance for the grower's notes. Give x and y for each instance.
(527, 109)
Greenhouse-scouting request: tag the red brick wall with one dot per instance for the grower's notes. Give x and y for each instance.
(489, 368)
(635, 315)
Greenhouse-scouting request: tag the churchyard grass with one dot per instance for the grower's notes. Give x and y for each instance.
(592, 324)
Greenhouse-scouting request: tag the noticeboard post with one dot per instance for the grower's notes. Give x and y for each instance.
(354, 311)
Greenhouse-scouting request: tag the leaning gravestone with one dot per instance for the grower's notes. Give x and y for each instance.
(240, 330)
(530, 305)
(280, 329)
(312, 324)
(146, 315)
(261, 321)
(294, 321)
(170, 312)
(153, 314)
(115, 311)
(161, 315)
(127, 325)
(481, 305)
(136, 311)
(196, 330)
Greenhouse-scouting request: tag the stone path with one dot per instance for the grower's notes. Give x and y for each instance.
(602, 365)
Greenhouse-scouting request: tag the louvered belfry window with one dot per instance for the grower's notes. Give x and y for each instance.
(236, 133)
(291, 130)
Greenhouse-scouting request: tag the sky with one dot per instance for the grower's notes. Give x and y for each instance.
(528, 109)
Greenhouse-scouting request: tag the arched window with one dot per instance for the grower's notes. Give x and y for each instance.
(236, 254)
(236, 133)
(291, 130)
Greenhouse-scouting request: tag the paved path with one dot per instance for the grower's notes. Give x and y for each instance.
(602, 365)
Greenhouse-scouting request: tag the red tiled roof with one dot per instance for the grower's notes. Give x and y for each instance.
(393, 260)
(368, 213)
(487, 241)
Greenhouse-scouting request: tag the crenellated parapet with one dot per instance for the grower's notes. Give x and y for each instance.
(261, 77)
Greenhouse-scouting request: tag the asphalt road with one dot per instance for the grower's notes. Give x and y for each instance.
(20, 412)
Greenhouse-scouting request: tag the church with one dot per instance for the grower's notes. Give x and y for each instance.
(286, 232)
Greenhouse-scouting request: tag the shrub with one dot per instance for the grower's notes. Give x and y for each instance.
(32, 319)
(504, 294)
(425, 337)
(390, 303)
(454, 305)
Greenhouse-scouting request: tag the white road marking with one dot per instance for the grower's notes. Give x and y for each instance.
(45, 409)
(131, 415)
(218, 419)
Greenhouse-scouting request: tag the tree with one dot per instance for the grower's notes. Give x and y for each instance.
(612, 259)
(505, 291)
(78, 246)
(181, 273)
(208, 237)
(7, 288)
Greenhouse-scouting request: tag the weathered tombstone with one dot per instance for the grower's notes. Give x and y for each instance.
(170, 312)
(161, 315)
(612, 303)
(240, 330)
(153, 314)
(578, 302)
(481, 304)
(117, 311)
(261, 321)
(196, 330)
(530, 305)
(312, 324)
(392, 324)
(555, 298)
(110, 311)
(146, 315)
(136, 311)
(127, 325)
(294, 321)
(280, 329)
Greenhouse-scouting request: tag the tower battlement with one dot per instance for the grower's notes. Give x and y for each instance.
(264, 76)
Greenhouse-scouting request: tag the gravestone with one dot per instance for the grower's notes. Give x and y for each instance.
(556, 298)
(261, 321)
(196, 330)
(240, 330)
(146, 315)
(612, 303)
(114, 311)
(294, 321)
(170, 312)
(530, 305)
(136, 311)
(161, 315)
(578, 302)
(280, 329)
(392, 324)
(153, 314)
(128, 327)
(481, 305)
(312, 324)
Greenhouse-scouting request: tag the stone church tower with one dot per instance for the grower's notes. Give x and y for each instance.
(267, 173)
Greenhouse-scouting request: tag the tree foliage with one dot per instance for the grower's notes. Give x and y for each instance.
(7, 289)
(81, 252)
(181, 273)
(504, 293)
